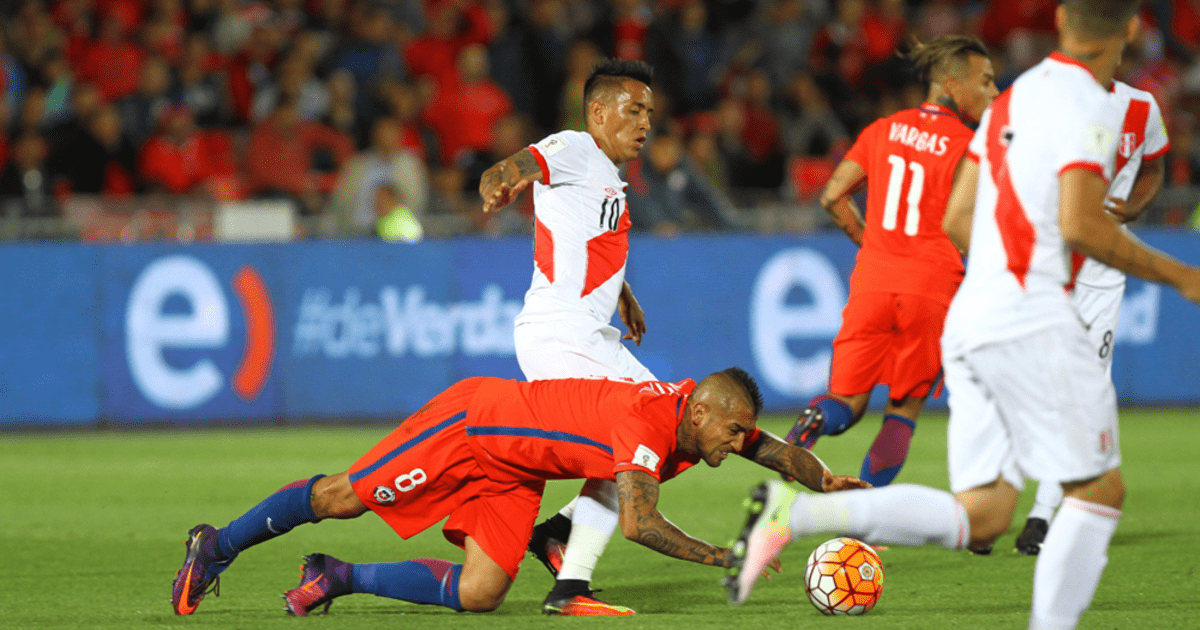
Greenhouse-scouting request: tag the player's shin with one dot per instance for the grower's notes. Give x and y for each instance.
(276, 515)
(420, 581)
(592, 527)
(889, 451)
(903, 514)
(1070, 563)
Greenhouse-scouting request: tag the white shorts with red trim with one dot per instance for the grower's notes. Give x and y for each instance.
(1038, 407)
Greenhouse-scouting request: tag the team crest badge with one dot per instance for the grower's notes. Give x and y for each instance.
(1128, 144)
(384, 494)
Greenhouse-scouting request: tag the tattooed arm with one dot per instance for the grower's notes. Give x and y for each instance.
(847, 179)
(506, 179)
(798, 463)
(1093, 233)
(642, 523)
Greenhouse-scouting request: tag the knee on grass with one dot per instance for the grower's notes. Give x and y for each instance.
(477, 596)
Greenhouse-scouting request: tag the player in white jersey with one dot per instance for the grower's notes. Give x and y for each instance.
(1098, 289)
(581, 240)
(1027, 398)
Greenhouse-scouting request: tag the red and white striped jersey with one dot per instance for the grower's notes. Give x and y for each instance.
(1143, 137)
(581, 231)
(1056, 117)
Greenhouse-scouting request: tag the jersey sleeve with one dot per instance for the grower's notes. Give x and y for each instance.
(864, 145)
(1156, 143)
(1089, 142)
(562, 157)
(645, 441)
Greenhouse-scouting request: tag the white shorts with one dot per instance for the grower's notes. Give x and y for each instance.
(1037, 407)
(1099, 308)
(574, 348)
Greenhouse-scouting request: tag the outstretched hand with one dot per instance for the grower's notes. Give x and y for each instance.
(835, 483)
(502, 195)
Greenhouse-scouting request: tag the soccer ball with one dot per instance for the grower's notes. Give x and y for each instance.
(844, 576)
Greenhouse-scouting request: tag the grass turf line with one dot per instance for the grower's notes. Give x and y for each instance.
(93, 523)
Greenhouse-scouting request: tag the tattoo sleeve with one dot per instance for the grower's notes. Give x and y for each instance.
(772, 452)
(641, 522)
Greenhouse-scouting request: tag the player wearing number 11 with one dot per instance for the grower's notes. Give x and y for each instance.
(907, 270)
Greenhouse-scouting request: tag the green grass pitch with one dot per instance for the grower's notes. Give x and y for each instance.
(93, 525)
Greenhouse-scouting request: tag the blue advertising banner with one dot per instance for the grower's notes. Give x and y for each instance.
(373, 330)
(49, 334)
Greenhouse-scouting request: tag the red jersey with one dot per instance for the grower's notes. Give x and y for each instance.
(579, 428)
(910, 158)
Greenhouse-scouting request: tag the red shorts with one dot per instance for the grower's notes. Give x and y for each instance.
(424, 471)
(888, 338)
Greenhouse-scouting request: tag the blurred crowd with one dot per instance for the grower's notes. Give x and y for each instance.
(356, 110)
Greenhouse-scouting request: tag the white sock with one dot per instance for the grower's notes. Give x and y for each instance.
(596, 516)
(1070, 563)
(899, 514)
(1049, 495)
(568, 510)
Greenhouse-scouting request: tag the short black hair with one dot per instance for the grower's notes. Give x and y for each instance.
(613, 71)
(741, 377)
(1100, 19)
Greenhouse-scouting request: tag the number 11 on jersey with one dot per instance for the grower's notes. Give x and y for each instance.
(891, 206)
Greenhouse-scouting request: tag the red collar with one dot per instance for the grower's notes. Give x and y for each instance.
(1061, 58)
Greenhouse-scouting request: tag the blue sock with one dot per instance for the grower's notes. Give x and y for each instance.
(887, 454)
(421, 581)
(838, 416)
(277, 514)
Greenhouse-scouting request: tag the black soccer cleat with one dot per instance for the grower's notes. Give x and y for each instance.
(1029, 543)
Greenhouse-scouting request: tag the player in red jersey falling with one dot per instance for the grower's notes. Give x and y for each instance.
(480, 453)
(907, 270)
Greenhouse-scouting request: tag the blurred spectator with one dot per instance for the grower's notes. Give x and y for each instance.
(175, 160)
(250, 69)
(761, 135)
(163, 32)
(201, 87)
(811, 128)
(451, 211)
(394, 221)
(294, 81)
(103, 160)
(702, 150)
(140, 111)
(668, 194)
(730, 124)
(1182, 33)
(621, 33)
(453, 25)
(841, 48)
(581, 57)
(343, 113)
(403, 103)
(12, 79)
(1001, 18)
(465, 110)
(551, 30)
(687, 57)
(282, 157)
(385, 163)
(69, 132)
(26, 180)
(509, 60)
(369, 53)
(113, 62)
(58, 79)
(32, 113)
(783, 37)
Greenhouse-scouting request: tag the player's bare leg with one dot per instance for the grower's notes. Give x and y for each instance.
(484, 584)
(990, 509)
(1076, 550)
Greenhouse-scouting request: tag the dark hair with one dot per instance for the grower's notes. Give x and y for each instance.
(747, 382)
(611, 72)
(933, 59)
(1100, 19)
